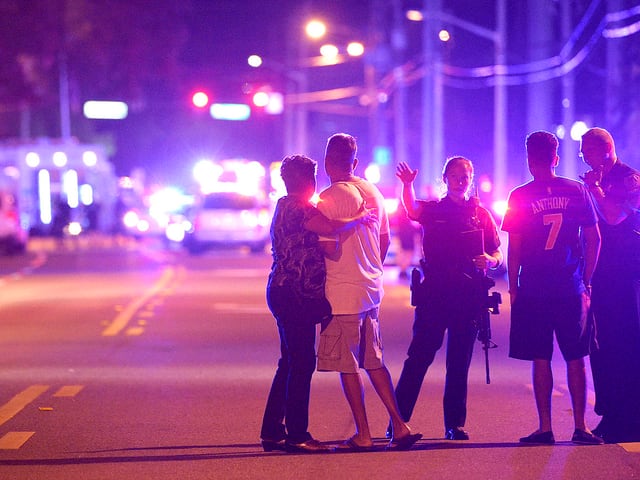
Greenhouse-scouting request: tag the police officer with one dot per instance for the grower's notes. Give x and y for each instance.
(460, 241)
(615, 301)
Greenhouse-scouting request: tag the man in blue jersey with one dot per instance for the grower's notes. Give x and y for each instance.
(554, 243)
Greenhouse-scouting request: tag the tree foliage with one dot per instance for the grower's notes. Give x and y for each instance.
(112, 49)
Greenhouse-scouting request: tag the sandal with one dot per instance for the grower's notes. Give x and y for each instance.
(404, 443)
(351, 446)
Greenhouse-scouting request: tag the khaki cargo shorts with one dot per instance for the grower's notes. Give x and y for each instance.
(351, 342)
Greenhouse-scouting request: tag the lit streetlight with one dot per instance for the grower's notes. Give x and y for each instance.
(297, 98)
(315, 29)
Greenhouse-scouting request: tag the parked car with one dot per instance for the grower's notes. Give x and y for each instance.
(13, 237)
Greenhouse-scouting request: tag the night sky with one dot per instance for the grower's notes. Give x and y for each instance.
(180, 46)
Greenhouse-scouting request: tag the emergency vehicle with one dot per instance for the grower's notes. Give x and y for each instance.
(54, 182)
(233, 207)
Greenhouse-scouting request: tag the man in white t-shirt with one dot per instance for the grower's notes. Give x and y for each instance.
(354, 288)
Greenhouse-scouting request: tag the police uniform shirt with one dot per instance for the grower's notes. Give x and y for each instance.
(621, 243)
(453, 234)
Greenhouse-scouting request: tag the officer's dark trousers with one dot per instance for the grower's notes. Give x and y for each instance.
(616, 364)
(289, 395)
(430, 323)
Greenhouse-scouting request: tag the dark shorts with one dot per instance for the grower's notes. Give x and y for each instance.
(535, 320)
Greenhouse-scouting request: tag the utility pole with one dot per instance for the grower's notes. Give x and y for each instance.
(296, 115)
(500, 104)
(569, 147)
(399, 43)
(373, 64)
(432, 105)
(63, 78)
(65, 109)
(539, 94)
(615, 77)
(433, 151)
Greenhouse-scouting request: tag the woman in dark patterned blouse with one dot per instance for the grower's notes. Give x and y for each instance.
(295, 295)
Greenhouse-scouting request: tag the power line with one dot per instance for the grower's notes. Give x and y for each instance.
(539, 70)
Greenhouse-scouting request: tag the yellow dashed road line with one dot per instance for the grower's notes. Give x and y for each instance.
(68, 391)
(21, 400)
(123, 318)
(14, 440)
(134, 331)
(631, 447)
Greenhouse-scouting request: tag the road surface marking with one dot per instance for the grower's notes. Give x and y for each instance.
(123, 318)
(134, 331)
(68, 391)
(21, 400)
(14, 440)
(631, 447)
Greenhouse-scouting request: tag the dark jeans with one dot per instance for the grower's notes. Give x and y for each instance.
(429, 327)
(288, 399)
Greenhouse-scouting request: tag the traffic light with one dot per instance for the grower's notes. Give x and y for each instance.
(200, 99)
(261, 99)
(265, 98)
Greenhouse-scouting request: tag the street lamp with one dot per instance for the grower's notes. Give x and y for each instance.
(369, 96)
(297, 97)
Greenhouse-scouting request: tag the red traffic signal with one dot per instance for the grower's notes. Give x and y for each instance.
(200, 99)
(272, 102)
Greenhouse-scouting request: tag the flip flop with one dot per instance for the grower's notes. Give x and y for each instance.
(404, 443)
(351, 446)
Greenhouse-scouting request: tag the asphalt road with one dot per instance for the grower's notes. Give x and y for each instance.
(124, 359)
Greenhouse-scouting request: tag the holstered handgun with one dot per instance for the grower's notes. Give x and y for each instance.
(416, 280)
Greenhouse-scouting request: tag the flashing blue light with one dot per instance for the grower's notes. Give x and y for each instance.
(382, 155)
(230, 111)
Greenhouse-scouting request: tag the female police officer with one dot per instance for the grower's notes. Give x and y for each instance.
(460, 241)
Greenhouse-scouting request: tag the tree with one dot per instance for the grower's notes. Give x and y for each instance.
(112, 49)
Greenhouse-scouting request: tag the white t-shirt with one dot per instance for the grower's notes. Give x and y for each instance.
(354, 281)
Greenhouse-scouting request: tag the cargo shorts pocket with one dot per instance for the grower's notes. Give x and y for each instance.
(329, 347)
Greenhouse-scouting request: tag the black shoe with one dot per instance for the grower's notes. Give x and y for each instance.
(310, 446)
(601, 429)
(585, 438)
(271, 445)
(456, 433)
(544, 438)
